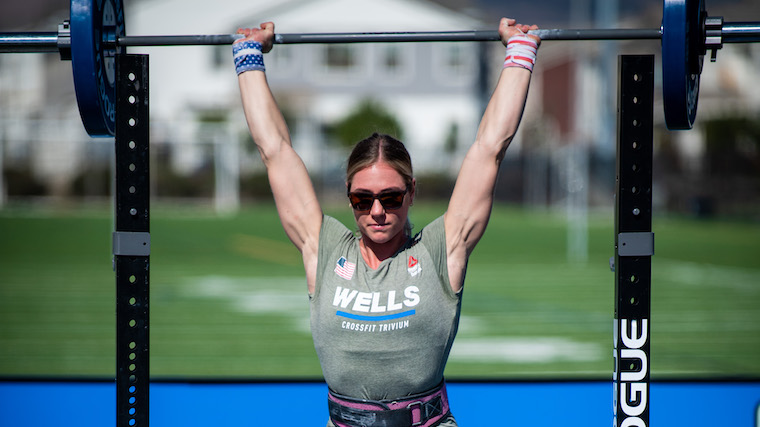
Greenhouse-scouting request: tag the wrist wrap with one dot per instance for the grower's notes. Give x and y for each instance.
(521, 52)
(248, 56)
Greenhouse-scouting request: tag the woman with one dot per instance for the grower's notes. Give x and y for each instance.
(385, 305)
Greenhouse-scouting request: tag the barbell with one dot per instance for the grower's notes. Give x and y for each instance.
(95, 33)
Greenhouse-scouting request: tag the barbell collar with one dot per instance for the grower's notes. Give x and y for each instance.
(64, 40)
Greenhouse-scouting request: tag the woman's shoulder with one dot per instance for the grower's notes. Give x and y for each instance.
(435, 226)
(333, 229)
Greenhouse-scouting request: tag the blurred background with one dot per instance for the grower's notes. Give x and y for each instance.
(227, 290)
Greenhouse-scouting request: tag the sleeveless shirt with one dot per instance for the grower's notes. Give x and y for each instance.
(385, 333)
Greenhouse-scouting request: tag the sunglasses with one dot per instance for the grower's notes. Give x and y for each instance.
(362, 201)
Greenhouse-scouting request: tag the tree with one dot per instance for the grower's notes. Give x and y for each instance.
(368, 117)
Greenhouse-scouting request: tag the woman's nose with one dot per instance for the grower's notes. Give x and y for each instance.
(377, 208)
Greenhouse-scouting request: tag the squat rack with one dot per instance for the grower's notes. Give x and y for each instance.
(112, 93)
(634, 240)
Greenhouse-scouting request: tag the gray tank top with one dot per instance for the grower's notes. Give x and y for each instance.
(386, 333)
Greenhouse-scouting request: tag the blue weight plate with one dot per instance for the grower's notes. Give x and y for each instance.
(682, 57)
(93, 62)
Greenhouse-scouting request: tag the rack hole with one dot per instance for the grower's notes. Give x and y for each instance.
(131, 77)
(634, 301)
(633, 279)
(132, 324)
(132, 189)
(132, 278)
(132, 99)
(132, 411)
(634, 167)
(133, 378)
(132, 167)
(132, 145)
(132, 122)
(132, 367)
(636, 77)
(132, 301)
(635, 99)
(132, 400)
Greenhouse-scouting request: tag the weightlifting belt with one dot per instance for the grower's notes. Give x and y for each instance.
(423, 410)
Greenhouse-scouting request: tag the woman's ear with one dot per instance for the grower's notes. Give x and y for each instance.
(412, 191)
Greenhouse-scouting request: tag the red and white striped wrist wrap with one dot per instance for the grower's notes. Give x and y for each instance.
(521, 52)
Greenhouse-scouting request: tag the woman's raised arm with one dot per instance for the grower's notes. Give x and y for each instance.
(297, 204)
(472, 199)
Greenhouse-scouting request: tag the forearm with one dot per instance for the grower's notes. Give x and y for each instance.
(504, 111)
(262, 114)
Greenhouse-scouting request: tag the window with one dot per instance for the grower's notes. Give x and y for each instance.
(395, 62)
(456, 63)
(391, 58)
(454, 59)
(340, 58)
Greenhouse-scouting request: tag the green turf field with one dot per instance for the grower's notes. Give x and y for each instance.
(228, 298)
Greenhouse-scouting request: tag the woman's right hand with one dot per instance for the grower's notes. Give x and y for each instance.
(264, 35)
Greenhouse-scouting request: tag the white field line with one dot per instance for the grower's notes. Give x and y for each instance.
(525, 350)
(286, 296)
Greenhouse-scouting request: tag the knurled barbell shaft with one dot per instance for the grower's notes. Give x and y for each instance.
(392, 37)
(732, 32)
(47, 42)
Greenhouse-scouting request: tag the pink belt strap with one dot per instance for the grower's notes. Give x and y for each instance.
(423, 410)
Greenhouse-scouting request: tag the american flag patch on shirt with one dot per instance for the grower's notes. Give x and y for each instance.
(345, 269)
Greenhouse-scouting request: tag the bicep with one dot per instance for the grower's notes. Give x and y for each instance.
(472, 199)
(295, 198)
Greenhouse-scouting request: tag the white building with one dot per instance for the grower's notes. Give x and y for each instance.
(427, 86)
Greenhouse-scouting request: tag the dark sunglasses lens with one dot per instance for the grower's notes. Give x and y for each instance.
(361, 202)
(392, 200)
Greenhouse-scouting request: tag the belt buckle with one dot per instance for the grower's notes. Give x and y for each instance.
(418, 403)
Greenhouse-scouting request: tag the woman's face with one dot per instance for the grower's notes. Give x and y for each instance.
(380, 224)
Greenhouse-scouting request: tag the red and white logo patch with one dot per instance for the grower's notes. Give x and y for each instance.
(413, 266)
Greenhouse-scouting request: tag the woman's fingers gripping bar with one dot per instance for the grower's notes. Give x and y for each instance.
(264, 35)
(509, 27)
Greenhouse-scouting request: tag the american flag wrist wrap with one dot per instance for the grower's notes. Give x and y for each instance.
(521, 52)
(248, 56)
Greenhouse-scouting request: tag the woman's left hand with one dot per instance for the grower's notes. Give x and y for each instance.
(509, 27)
